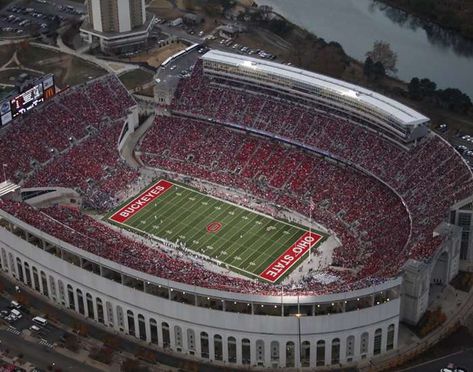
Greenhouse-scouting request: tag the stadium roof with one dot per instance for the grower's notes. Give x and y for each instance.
(402, 113)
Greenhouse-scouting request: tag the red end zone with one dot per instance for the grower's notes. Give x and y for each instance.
(285, 261)
(141, 201)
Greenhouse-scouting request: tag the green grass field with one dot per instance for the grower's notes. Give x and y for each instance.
(244, 240)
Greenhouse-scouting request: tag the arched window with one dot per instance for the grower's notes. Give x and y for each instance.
(52, 285)
(62, 294)
(335, 351)
(290, 354)
(35, 279)
(110, 316)
(377, 341)
(90, 306)
(305, 354)
(274, 351)
(166, 337)
(191, 340)
(80, 301)
(364, 344)
(142, 327)
(19, 266)
(260, 352)
(12, 265)
(178, 337)
(350, 348)
(44, 283)
(28, 274)
(4, 260)
(204, 345)
(131, 322)
(232, 350)
(218, 347)
(70, 295)
(153, 330)
(245, 351)
(100, 315)
(320, 361)
(390, 339)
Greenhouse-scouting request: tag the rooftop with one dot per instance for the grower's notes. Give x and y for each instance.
(400, 112)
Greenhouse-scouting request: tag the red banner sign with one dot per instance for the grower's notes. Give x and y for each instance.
(141, 201)
(285, 261)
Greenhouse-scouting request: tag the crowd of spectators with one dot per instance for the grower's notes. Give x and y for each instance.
(71, 141)
(73, 227)
(243, 138)
(429, 177)
(346, 201)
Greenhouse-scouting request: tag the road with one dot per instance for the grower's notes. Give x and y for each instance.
(48, 335)
(461, 358)
(98, 333)
(39, 355)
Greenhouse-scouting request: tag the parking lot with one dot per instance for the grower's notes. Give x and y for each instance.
(463, 143)
(242, 49)
(178, 68)
(47, 335)
(22, 18)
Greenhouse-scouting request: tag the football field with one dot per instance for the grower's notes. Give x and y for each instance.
(246, 242)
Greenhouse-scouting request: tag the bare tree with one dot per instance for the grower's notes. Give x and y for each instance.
(383, 53)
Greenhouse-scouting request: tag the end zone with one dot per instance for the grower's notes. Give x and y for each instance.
(293, 254)
(129, 210)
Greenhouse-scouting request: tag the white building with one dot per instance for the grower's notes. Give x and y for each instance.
(116, 24)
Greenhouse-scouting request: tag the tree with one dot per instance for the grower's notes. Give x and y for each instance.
(383, 53)
(72, 343)
(368, 67)
(414, 90)
(378, 70)
(373, 70)
(455, 100)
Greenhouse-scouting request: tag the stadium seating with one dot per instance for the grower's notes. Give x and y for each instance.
(382, 201)
(429, 177)
(71, 141)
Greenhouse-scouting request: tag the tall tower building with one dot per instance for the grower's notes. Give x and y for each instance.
(117, 25)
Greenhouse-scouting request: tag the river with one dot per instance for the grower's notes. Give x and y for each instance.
(423, 50)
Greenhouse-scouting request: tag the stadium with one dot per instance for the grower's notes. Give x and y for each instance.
(266, 216)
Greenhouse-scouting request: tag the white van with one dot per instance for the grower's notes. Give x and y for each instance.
(40, 321)
(15, 305)
(16, 314)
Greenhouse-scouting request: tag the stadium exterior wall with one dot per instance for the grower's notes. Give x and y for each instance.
(245, 339)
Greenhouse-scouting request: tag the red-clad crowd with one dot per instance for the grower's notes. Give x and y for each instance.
(71, 141)
(429, 178)
(248, 139)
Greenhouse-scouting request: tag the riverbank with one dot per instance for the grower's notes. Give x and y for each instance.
(455, 15)
(331, 59)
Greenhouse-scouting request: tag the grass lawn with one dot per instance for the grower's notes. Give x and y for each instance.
(9, 76)
(238, 238)
(67, 69)
(135, 78)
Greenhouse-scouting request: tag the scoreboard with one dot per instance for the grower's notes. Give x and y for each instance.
(37, 92)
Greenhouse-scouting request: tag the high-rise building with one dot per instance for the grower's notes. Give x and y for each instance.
(117, 25)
